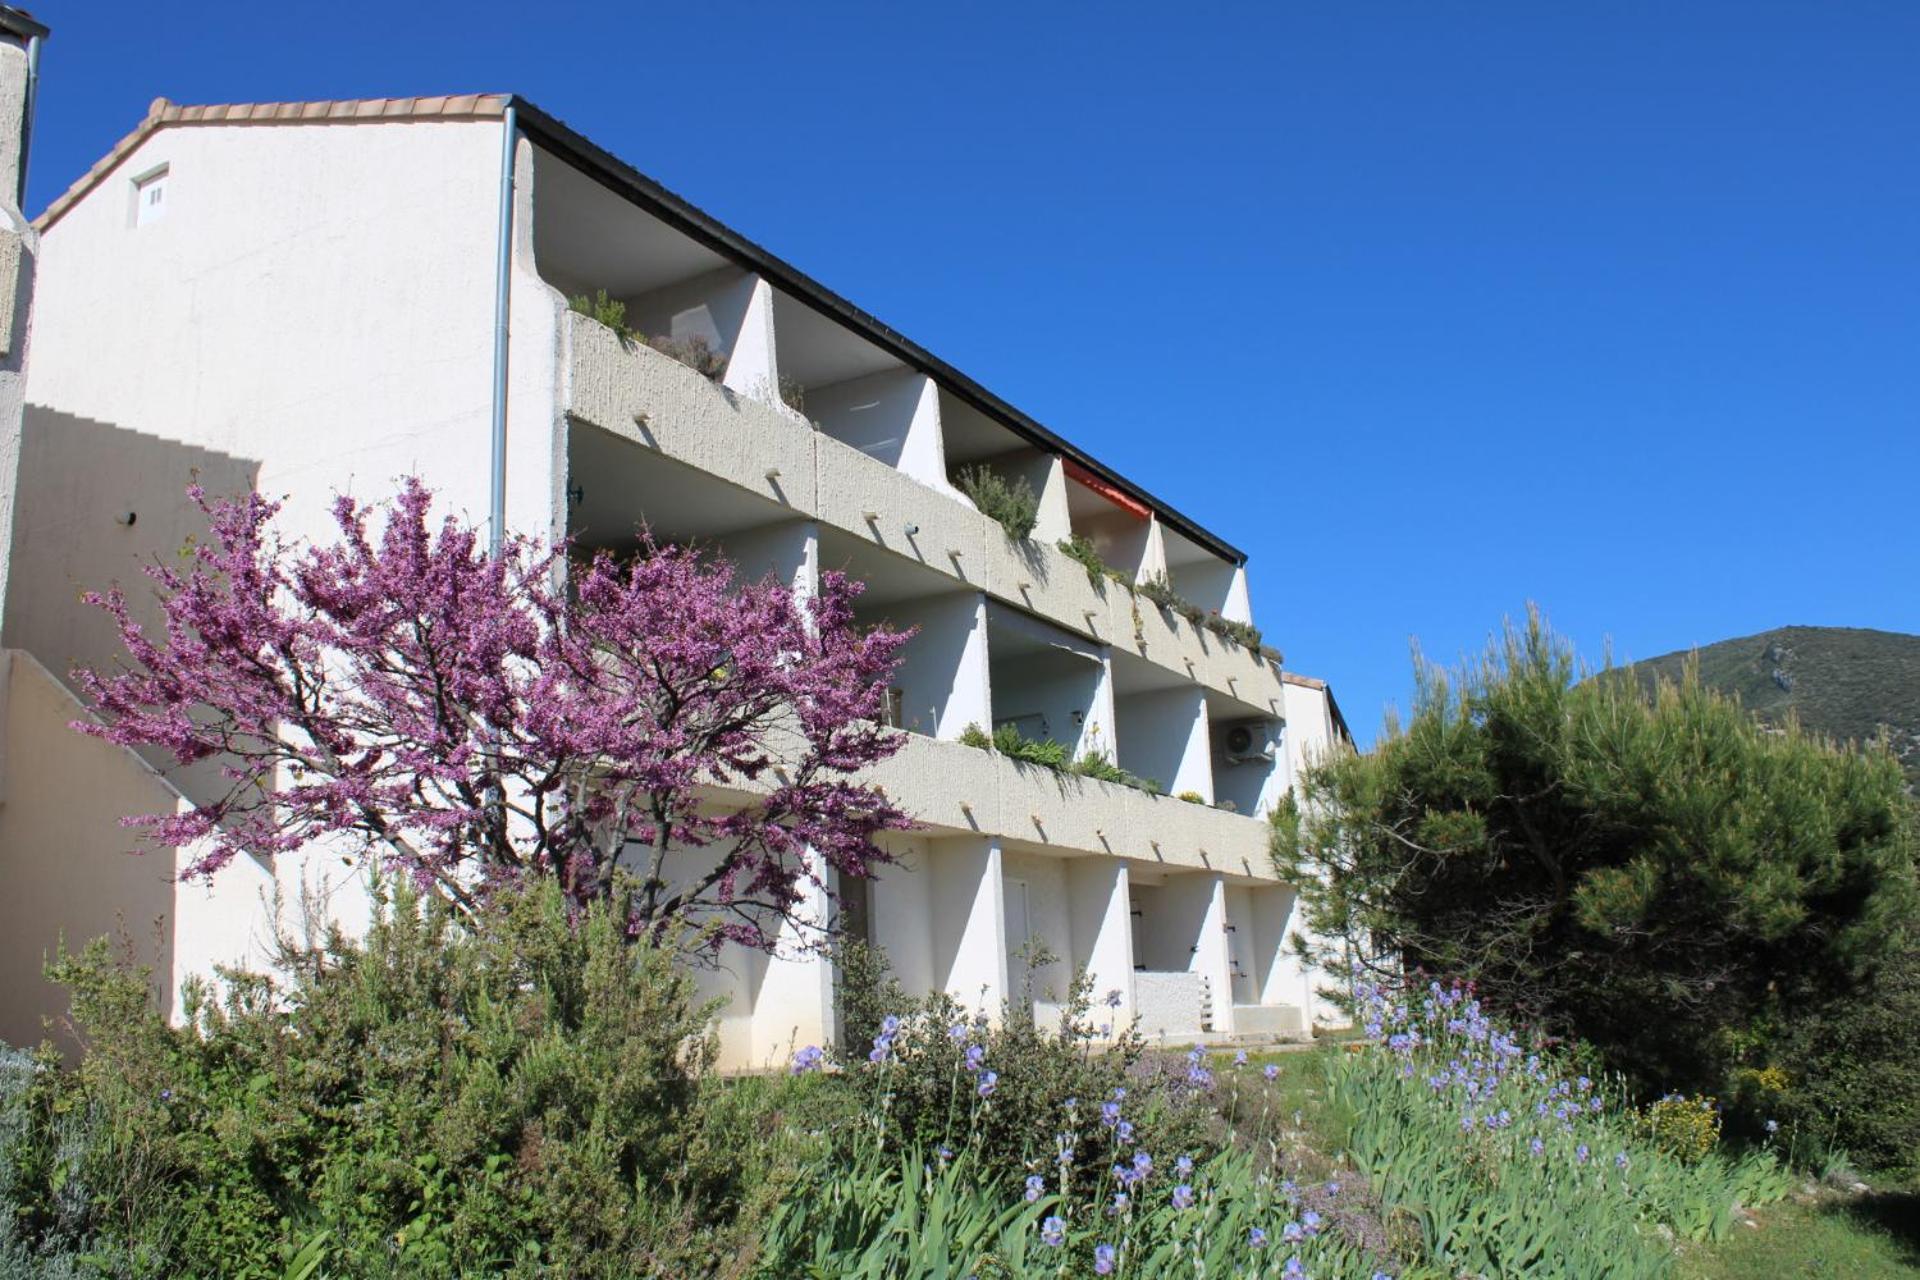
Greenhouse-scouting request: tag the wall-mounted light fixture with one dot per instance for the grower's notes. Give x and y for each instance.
(912, 530)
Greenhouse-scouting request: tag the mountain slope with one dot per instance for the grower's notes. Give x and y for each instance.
(1847, 682)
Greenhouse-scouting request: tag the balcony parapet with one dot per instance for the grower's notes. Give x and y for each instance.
(651, 399)
(959, 789)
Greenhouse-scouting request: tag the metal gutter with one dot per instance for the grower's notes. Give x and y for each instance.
(502, 296)
(625, 180)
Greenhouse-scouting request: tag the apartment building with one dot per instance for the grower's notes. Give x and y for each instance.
(321, 297)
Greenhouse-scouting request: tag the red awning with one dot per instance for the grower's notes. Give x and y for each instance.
(1123, 500)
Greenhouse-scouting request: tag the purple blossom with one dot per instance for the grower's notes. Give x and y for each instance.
(1053, 1231)
(374, 690)
(808, 1059)
(1183, 1196)
(1256, 1238)
(1271, 1071)
(1036, 1187)
(1103, 1259)
(989, 1081)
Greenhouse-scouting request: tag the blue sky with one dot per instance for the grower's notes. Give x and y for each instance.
(1433, 309)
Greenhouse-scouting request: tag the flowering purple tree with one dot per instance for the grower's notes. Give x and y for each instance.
(470, 720)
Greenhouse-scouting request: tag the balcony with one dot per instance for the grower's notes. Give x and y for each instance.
(650, 400)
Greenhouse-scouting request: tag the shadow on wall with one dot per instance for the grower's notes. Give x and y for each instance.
(66, 862)
(95, 502)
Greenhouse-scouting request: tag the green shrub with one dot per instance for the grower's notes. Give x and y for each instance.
(529, 1098)
(976, 737)
(1688, 1129)
(1192, 797)
(1657, 875)
(1852, 1072)
(1011, 502)
(601, 309)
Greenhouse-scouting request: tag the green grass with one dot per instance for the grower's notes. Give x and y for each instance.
(1874, 1237)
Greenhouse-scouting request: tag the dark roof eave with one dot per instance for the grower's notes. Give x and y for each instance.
(22, 24)
(623, 178)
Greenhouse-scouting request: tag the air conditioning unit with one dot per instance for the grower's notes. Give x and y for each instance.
(1252, 743)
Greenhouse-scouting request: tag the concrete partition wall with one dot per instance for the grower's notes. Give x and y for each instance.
(1183, 929)
(969, 920)
(1278, 976)
(892, 416)
(900, 920)
(1162, 735)
(790, 989)
(1099, 925)
(732, 311)
(788, 552)
(942, 676)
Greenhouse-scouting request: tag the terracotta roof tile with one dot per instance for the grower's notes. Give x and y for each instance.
(164, 114)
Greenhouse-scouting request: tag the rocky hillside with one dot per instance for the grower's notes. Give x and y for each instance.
(1844, 681)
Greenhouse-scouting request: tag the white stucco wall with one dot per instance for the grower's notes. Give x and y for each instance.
(1170, 1006)
(1102, 933)
(893, 417)
(969, 920)
(69, 867)
(230, 325)
(1163, 735)
(942, 676)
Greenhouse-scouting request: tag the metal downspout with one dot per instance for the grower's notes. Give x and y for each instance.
(497, 504)
(26, 122)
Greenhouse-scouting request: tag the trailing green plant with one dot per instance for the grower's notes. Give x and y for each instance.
(1244, 634)
(1098, 765)
(529, 1096)
(693, 352)
(1012, 503)
(1048, 754)
(1079, 548)
(1045, 752)
(604, 310)
(1158, 589)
